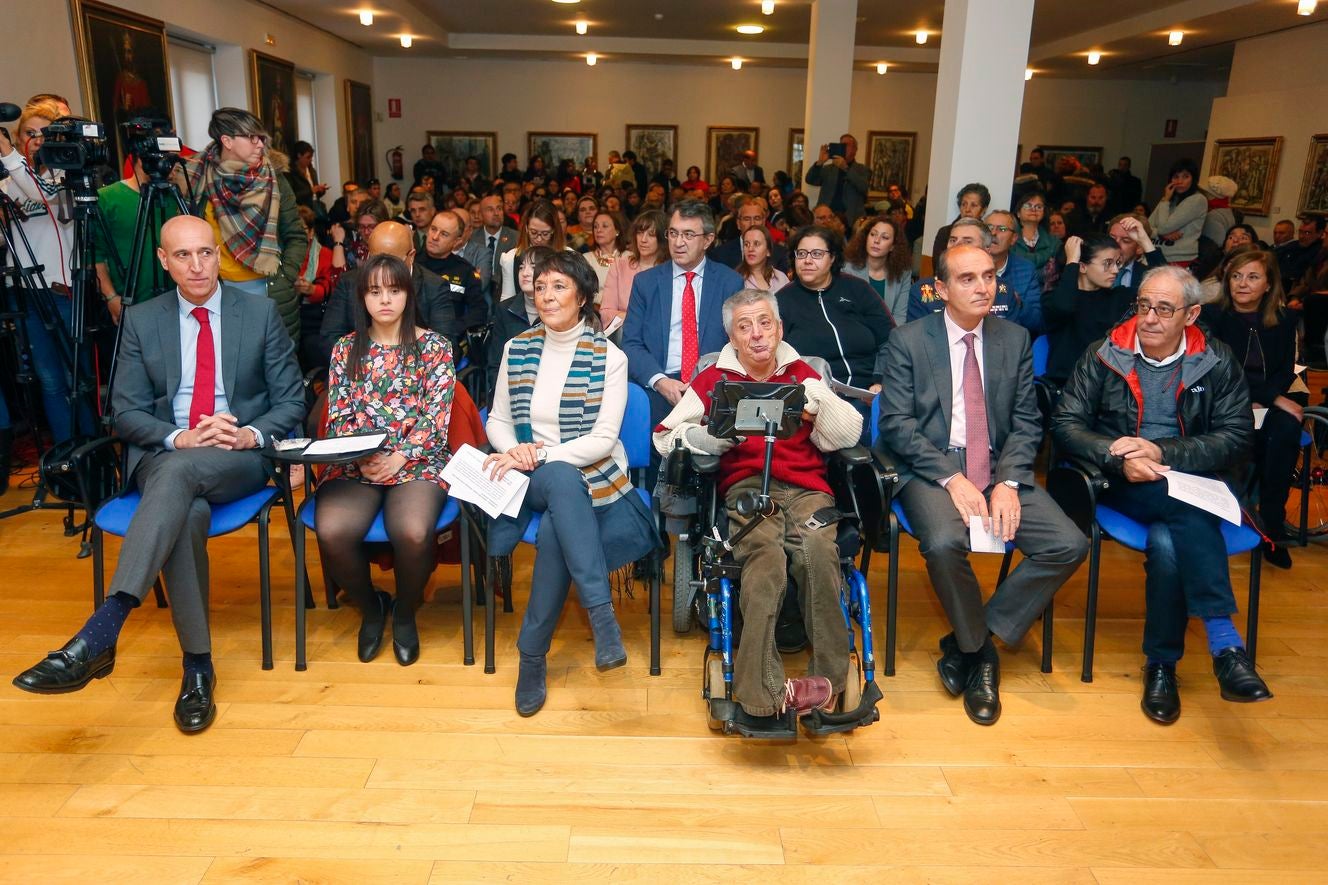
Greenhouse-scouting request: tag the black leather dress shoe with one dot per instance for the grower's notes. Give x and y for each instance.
(1276, 554)
(68, 669)
(373, 626)
(1161, 700)
(982, 699)
(952, 666)
(195, 708)
(405, 638)
(1235, 674)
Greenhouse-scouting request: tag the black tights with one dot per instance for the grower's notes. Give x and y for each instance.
(346, 509)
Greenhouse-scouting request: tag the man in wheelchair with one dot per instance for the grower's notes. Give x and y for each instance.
(798, 535)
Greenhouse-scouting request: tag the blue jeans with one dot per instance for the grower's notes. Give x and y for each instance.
(52, 376)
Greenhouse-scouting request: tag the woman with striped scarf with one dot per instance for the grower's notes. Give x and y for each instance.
(558, 404)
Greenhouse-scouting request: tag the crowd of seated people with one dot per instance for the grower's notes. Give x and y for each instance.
(751, 271)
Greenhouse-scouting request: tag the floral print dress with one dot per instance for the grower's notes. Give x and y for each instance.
(410, 398)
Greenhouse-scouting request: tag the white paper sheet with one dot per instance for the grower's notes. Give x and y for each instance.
(345, 445)
(468, 480)
(982, 540)
(1207, 494)
(1259, 415)
(614, 325)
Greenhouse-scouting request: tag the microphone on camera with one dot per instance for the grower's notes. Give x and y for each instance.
(9, 112)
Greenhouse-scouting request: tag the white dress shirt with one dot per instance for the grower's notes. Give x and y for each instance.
(189, 363)
(673, 364)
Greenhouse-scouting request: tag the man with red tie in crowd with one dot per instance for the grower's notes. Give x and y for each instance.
(959, 417)
(204, 381)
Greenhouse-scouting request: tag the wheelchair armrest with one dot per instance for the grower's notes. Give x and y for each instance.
(1075, 488)
(854, 456)
(705, 464)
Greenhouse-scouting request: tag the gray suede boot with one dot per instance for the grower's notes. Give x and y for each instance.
(531, 690)
(609, 651)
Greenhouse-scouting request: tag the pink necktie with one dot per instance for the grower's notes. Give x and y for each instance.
(690, 346)
(977, 458)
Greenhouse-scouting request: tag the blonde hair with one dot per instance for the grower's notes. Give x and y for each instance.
(46, 108)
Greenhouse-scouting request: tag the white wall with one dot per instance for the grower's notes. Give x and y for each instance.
(1276, 89)
(44, 60)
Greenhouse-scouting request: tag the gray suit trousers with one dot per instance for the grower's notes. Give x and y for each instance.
(1052, 549)
(168, 534)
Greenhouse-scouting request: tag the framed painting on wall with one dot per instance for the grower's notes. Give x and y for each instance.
(359, 130)
(889, 161)
(1314, 189)
(454, 147)
(724, 147)
(653, 144)
(1252, 164)
(122, 68)
(796, 152)
(555, 147)
(272, 88)
(1087, 156)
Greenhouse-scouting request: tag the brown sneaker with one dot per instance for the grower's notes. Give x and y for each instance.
(808, 693)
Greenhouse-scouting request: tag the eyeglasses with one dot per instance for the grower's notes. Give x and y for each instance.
(687, 236)
(1164, 311)
(999, 229)
(814, 254)
(1034, 207)
(1109, 263)
(542, 236)
(251, 137)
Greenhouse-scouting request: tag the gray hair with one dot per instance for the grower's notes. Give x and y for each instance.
(746, 298)
(699, 210)
(984, 232)
(1190, 287)
(1006, 212)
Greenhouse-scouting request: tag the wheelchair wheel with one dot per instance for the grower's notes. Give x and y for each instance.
(714, 688)
(1317, 519)
(852, 695)
(683, 565)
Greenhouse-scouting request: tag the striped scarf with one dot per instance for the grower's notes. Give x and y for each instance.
(246, 203)
(583, 391)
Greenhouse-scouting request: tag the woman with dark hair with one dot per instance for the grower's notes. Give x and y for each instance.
(830, 314)
(558, 406)
(972, 202)
(694, 182)
(518, 313)
(1252, 319)
(1179, 215)
(394, 202)
(1084, 305)
(880, 255)
(303, 179)
(721, 202)
(322, 267)
(1035, 242)
(568, 176)
(1210, 270)
(755, 268)
(541, 225)
(606, 243)
(389, 376)
(535, 172)
(645, 249)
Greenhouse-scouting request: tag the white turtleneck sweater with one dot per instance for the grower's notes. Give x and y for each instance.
(559, 348)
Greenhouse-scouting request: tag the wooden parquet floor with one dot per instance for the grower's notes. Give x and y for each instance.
(364, 773)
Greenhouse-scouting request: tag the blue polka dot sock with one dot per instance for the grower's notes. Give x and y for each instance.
(103, 629)
(198, 663)
(1222, 635)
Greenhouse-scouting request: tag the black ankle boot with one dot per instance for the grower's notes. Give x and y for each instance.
(531, 688)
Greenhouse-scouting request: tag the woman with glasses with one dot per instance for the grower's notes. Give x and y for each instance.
(972, 202)
(541, 225)
(1035, 242)
(645, 248)
(1251, 318)
(880, 255)
(1084, 305)
(1179, 215)
(831, 314)
(235, 185)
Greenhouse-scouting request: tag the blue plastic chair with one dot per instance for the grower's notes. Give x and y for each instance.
(377, 534)
(113, 518)
(1041, 350)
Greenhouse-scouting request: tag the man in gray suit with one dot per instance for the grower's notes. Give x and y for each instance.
(959, 417)
(487, 245)
(204, 380)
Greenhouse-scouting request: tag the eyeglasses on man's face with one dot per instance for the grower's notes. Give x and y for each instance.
(997, 229)
(687, 236)
(1164, 311)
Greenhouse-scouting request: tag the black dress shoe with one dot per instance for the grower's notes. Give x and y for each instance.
(373, 626)
(1276, 554)
(68, 669)
(1235, 674)
(405, 637)
(1161, 700)
(982, 699)
(953, 667)
(195, 709)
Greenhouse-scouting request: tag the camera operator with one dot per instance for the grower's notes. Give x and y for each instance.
(238, 187)
(36, 190)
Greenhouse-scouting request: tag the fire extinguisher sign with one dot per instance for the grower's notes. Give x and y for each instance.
(394, 107)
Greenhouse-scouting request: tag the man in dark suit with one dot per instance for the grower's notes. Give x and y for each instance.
(1138, 253)
(486, 246)
(959, 417)
(205, 379)
(661, 339)
(747, 171)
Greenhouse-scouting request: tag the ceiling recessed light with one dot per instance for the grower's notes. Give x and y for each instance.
(921, 37)
(767, 7)
(1028, 74)
(736, 63)
(406, 40)
(567, 1)
(750, 29)
(366, 17)
(1094, 57)
(1306, 7)
(591, 58)
(882, 67)
(1175, 38)
(581, 27)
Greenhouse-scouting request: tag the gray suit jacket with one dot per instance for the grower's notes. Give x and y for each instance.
(257, 362)
(476, 251)
(916, 391)
(856, 181)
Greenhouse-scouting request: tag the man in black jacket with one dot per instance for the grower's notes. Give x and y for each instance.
(1158, 395)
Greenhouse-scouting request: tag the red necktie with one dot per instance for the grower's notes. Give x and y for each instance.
(977, 458)
(690, 345)
(204, 401)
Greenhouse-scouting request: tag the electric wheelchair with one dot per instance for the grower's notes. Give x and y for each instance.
(706, 577)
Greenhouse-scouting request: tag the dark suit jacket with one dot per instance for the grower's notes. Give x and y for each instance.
(916, 400)
(646, 329)
(476, 251)
(432, 300)
(257, 362)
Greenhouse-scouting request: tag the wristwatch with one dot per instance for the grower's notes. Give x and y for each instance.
(541, 455)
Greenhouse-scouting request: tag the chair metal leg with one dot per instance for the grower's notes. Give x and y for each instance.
(98, 569)
(301, 589)
(265, 584)
(160, 593)
(892, 598)
(1047, 614)
(467, 599)
(1090, 606)
(1005, 567)
(1304, 536)
(489, 604)
(1252, 616)
(505, 570)
(656, 570)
